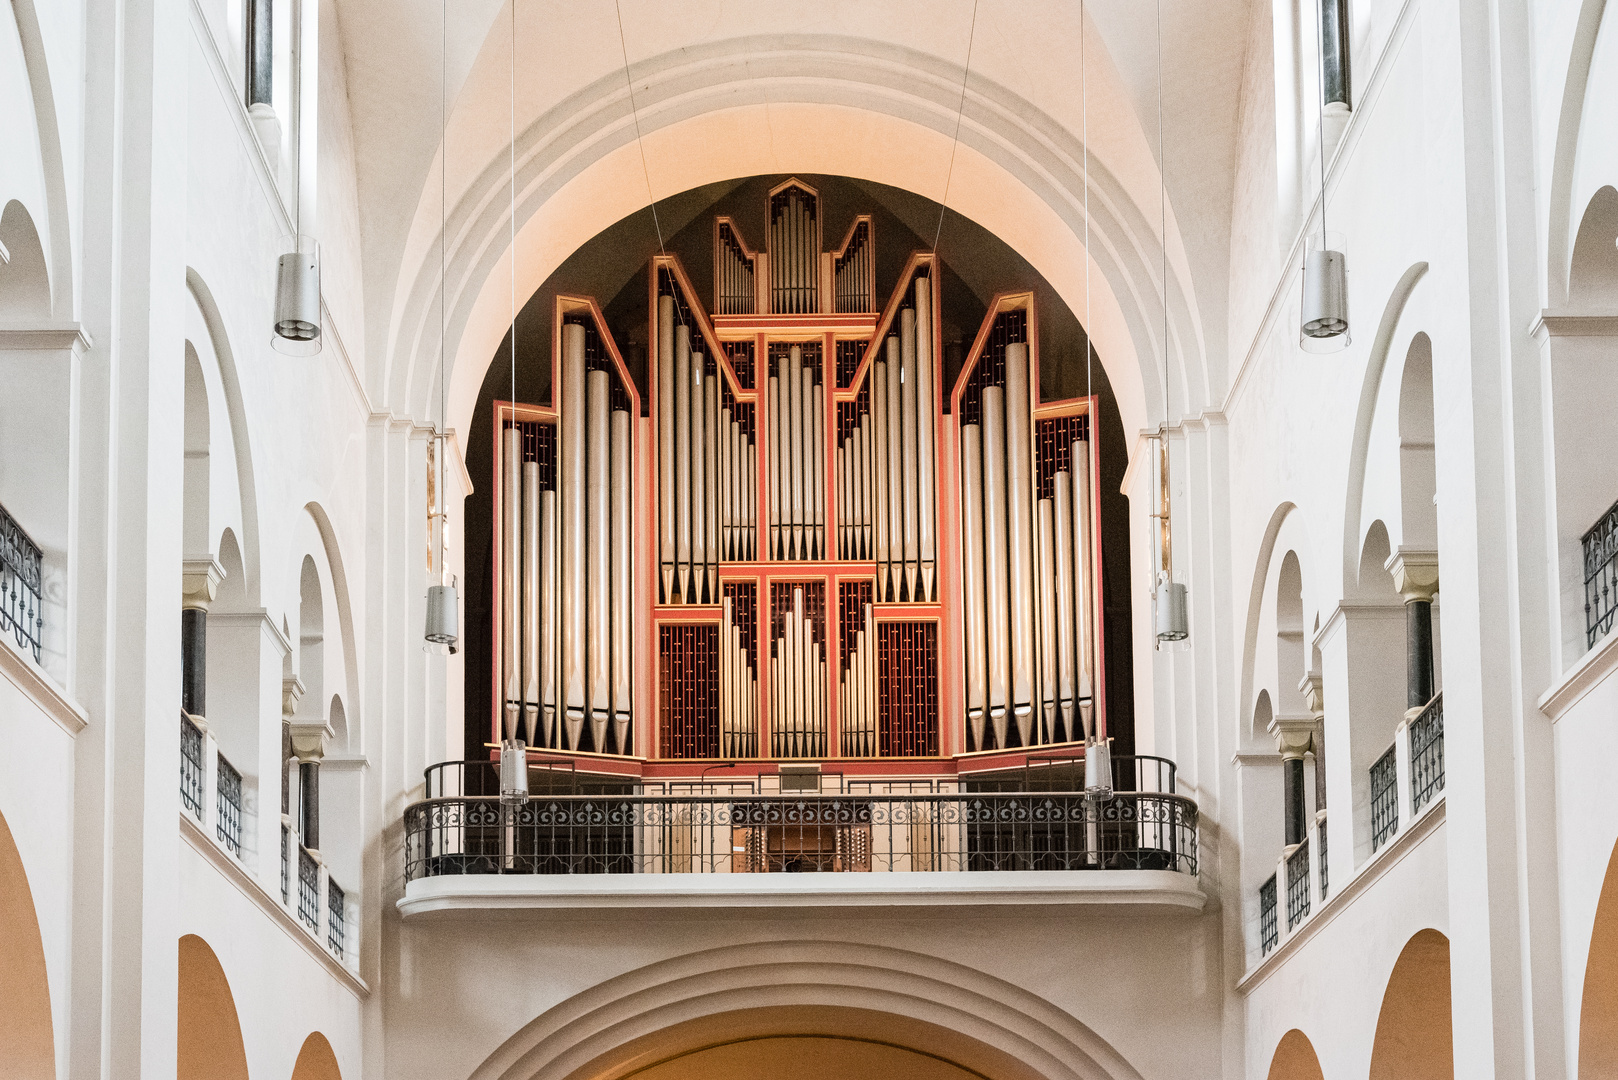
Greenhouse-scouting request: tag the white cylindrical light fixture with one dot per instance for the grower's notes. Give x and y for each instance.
(1173, 624)
(1098, 769)
(513, 773)
(297, 299)
(443, 617)
(1323, 324)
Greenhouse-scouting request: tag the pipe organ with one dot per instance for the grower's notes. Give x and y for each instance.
(795, 541)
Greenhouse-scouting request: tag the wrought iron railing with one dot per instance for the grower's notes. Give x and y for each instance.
(751, 833)
(286, 865)
(336, 915)
(1298, 885)
(1320, 842)
(308, 889)
(1384, 799)
(191, 766)
(229, 788)
(1601, 576)
(1427, 754)
(1269, 929)
(21, 604)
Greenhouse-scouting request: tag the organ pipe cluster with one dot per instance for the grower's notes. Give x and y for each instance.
(1027, 578)
(797, 474)
(857, 702)
(854, 275)
(706, 483)
(798, 670)
(794, 252)
(567, 616)
(738, 674)
(733, 273)
(887, 464)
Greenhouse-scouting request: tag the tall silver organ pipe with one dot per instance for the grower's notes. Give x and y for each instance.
(876, 470)
(908, 450)
(996, 579)
(775, 472)
(710, 427)
(1045, 593)
(571, 468)
(857, 693)
(530, 601)
(666, 523)
(817, 464)
(973, 610)
(623, 586)
(511, 564)
(798, 670)
(927, 448)
(682, 462)
(726, 501)
(598, 554)
(1084, 585)
(1020, 537)
(797, 448)
(1062, 511)
(699, 495)
(738, 697)
(550, 614)
(893, 478)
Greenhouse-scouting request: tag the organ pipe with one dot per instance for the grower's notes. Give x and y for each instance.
(623, 586)
(996, 580)
(550, 612)
(876, 473)
(927, 450)
(710, 426)
(908, 450)
(1084, 585)
(699, 493)
(816, 464)
(571, 466)
(530, 600)
(598, 555)
(893, 478)
(1066, 645)
(774, 467)
(511, 626)
(1045, 590)
(1019, 537)
(682, 461)
(973, 612)
(665, 443)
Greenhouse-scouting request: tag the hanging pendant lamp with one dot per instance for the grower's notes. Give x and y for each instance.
(1323, 321)
(443, 630)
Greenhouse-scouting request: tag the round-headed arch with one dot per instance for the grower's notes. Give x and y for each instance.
(957, 1018)
(1414, 1039)
(27, 1044)
(210, 1033)
(1295, 1059)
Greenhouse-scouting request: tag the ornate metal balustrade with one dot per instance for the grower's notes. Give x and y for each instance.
(1269, 929)
(1601, 576)
(761, 833)
(1298, 885)
(308, 889)
(286, 865)
(1384, 799)
(229, 789)
(1320, 837)
(21, 606)
(190, 766)
(336, 915)
(1427, 754)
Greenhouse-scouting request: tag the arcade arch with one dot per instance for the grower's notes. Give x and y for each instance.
(1598, 1007)
(1295, 1058)
(316, 1061)
(210, 1033)
(1414, 1038)
(27, 1042)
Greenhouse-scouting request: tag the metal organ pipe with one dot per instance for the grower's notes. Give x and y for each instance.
(510, 625)
(814, 480)
(927, 451)
(550, 613)
(1062, 511)
(794, 448)
(530, 600)
(700, 493)
(973, 611)
(623, 585)
(1084, 581)
(727, 484)
(710, 505)
(1045, 588)
(682, 461)
(572, 470)
(893, 480)
(875, 472)
(1020, 538)
(598, 554)
(665, 443)
(774, 466)
(996, 579)
(908, 448)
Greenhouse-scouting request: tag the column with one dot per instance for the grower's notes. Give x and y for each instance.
(199, 585)
(1415, 575)
(1293, 737)
(309, 745)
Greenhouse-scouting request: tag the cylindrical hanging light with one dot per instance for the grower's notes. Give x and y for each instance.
(1168, 596)
(1098, 768)
(443, 617)
(297, 299)
(1325, 296)
(513, 772)
(1173, 624)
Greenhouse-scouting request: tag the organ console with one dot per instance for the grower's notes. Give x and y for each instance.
(806, 546)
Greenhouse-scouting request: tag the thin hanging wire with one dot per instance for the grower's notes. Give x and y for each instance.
(513, 208)
(1163, 213)
(1084, 108)
(955, 142)
(1320, 103)
(443, 218)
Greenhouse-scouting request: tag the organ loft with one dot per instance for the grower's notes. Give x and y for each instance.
(795, 537)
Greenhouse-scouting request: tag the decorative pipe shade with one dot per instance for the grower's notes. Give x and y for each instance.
(443, 616)
(1325, 295)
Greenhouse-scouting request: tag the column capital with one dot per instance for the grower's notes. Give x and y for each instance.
(200, 580)
(1313, 695)
(1293, 733)
(1415, 573)
(309, 742)
(291, 693)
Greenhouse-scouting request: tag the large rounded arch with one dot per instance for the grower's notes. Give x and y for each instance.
(1598, 1007)
(1295, 1059)
(210, 1034)
(952, 1014)
(27, 1042)
(316, 1060)
(1414, 1039)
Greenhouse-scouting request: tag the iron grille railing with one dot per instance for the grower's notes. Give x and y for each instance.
(1298, 885)
(882, 832)
(1320, 842)
(21, 605)
(191, 766)
(1269, 929)
(308, 889)
(336, 915)
(1427, 754)
(1601, 576)
(229, 787)
(1384, 799)
(286, 865)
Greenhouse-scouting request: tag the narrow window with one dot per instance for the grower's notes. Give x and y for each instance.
(260, 51)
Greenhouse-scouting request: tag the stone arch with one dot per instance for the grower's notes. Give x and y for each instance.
(25, 282)
(311, 643)
(1255, 610)
(195, 519)
(1373, 582)
(50, 152)
(1290, 650)
(316, 1060)
(1598, 1007)
(27, 1039)
(1565, 159)
(723, 996)
(1418, 478)
(1295, 1059)
(341, 601)
(1414, 1038)
(1593, 274)
(210, 1033)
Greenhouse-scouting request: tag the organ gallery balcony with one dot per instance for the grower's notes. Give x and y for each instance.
(597, 842)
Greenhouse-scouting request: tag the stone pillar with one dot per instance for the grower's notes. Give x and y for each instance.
(291, 694)
(1415, 575)
(199, 585)
(309, 744)
(1293, 737)
(1314, 700)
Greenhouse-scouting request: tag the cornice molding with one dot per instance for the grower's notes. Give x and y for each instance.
(1591, 671)
(45, 336)
(1553, 323)
(38, 687)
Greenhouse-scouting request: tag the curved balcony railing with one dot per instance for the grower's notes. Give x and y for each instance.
(761, 833)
